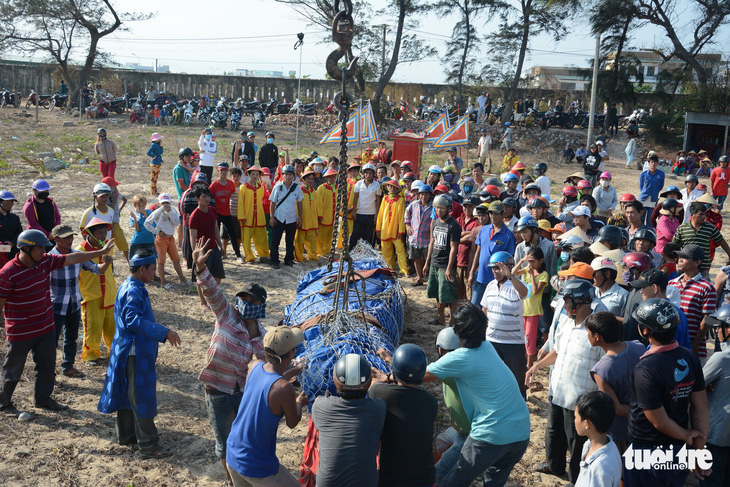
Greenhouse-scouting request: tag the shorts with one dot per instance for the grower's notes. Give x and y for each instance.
(214, 265)
(166, 246)
(120, 241)
(441, 288)
(415, 253)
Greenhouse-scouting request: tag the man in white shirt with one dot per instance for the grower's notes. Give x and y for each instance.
(208, 150)
(365, 204)
(604, 155)
(484, 149)
(689, 194)
(481, 107)
(286, 203)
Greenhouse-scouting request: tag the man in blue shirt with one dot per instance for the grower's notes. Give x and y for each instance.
(500, 421)
(651, 183)
(492, 238)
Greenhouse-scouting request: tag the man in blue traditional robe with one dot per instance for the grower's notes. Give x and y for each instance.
(130, 385)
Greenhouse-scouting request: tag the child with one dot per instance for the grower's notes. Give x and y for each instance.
(669, 260)
(600, 461)
(441, 259)
(353, 176)
(204, 225)
(163, 222)
(98, 293)
(100, 209)
(307, 234)
(142, 237)
(612, 373)
(326, 204)
(66, 296)
(268, 186)
(236, 174)
(155, 152)
(390, 227)
(156, 114)
(120, 240)
(222, 189)
(536, 279)
(510, 158)
(251, 216)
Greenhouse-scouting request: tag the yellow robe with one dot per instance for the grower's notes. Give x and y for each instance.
(508, 162)
(250, 205)
(391, 218)
(309, 209)
(98, 293)
(326, 203)
(94, 286)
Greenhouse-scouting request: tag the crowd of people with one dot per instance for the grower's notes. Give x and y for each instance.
(610, 291)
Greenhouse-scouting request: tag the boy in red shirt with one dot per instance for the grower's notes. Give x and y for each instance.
(720, 178)
(204, 224)
(468, 222)
(221, 190)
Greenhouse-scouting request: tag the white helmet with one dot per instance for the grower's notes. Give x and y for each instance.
(368, 166)
(447, 339)
(102, 188)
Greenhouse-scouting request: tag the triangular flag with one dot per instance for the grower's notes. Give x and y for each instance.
(372, 129)
(458, 134)
(353, 131)
(363, 124)
(437, 128)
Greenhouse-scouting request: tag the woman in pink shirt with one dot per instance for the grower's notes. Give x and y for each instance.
(667, 224)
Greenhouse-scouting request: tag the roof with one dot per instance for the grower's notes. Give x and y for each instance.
(708, 118)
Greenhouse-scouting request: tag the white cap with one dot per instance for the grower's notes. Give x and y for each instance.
(603, 263)
(164, 198)
(599, 142)
(581, 211)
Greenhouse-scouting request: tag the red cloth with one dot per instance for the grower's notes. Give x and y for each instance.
(222, 195)
(310, 457)
(715, 218)
(456, 210)
(462, 257)
(205, 223)
(28, 309)
(720, 179)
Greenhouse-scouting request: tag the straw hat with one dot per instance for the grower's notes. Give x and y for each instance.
(578, 233)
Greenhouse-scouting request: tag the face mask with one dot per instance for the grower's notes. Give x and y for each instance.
(468, 189)
(269, 141)
(42, 195)
(565, 256)
(208, 136)
(448, 177)
(605, 183)
(250, 311)
(102, 136)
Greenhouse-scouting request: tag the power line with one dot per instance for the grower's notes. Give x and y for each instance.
(210, 39)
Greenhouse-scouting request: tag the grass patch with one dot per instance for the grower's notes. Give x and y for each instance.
(89, 170)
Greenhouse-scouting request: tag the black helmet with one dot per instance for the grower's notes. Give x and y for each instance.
(670, 204)
(657, 314)
(537, 203)
(722, 159)
(721, 317)
(611, 234)
(540, 168)
(580, 291)
(625, 236)
(100, 130)
(534, 186)
(691, 177)
(645, 234)
(185, 151)
(31, 238)
(409, 363)
(352, 373)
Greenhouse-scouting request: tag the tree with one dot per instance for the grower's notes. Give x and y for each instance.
(519, 20)
(61, 29)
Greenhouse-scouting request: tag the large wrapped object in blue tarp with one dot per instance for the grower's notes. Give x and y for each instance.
(379, 295)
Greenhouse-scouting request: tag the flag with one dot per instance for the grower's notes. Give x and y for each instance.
(458, 134)
(437, 128)
(369, 131)
(353, 131)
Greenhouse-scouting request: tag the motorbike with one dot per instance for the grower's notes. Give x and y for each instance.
(175, 114)
(251, 106)
(188, 113)
(282, 108)
(401, 112)
(330, 108)
(8, 97)
(117, 105)
(257, 120)
(219, 118)
(269, 106)
(42, 100)
(304, 108)
(236, 115)
(58, 100)
(203, 116)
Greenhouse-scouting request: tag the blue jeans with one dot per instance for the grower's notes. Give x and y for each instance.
(222, 409)
(721, 200)
(477, 293)
(69, 323)
(449, 458)
(477, 456)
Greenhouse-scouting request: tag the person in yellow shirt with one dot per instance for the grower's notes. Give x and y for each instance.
(510, 158)
(390, 226)
(367, 156)
(353, 176)
(98, 292)
(252, 218)
(306, 236)
(326, 204)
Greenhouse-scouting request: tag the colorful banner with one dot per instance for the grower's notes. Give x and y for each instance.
(437, 128)
(369, 131)
(458, 134)
(353, 131)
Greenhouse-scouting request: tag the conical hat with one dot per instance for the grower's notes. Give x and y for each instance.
(578, 233)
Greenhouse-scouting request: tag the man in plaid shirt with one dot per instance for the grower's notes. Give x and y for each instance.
(66, 296)
(418, 226)
(237, 340)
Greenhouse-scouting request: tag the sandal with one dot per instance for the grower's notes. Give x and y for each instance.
(73, 372)
(543, 468)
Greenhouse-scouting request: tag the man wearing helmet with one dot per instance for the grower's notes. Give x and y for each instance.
(180, 174)
(573, 357)
(644, 241)
(441, 259)
(541, 179)
(349, 426)
(24, 290)
(527, 227)
(567, 202)
(40, 210)
(720, 177)
(689, 193)
(269, 153)
(610, 293)
(411, 411)
(668, 394)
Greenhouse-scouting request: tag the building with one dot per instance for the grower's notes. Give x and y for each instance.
(651, 64)
(559, 78)
(708, 131)
(255, 73)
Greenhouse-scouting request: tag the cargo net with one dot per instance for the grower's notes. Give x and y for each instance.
(371, 318)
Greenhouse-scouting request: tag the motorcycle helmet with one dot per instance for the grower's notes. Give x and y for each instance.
(605, 175)
(368, 167)
(723, 159)
(533, 186)
(448, 340)
(721, 317)
(425, 188)
(526, 222)
(611, 234)
(409, 176)
(41, 185)
(669, 206)
(540, 168)
(657, 314)
(580, 291)
(352, 373)
(250, 134)
(31, 238)
(441, 200)
(637, 260)
(570, 191)
(7, 196)
(690, 178)
(584, 185)
(501, 256)
(185, 151)
(101, 130)
(101, 188)
(570, 242)
(645, 234)
(627, 197)
(671, 189)
(538, 202)
(157, 106)
(434, 169)
(288, 169)
(148, 106)
(494, 182)
(270, 134)
(409, 363)
(511, 177)
(447, 169)
(492, 190)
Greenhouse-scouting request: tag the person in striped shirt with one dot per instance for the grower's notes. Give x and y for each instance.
(699, 232)
(25, 297)
(236, 341)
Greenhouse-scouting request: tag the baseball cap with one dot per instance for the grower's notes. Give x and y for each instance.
(603, 263)
(61, 231)
(692, 251)
(581, 211)
(282, 339)
(256, 291)
(543, 225)
(579, 269)
(650, 277)
(472, 200)
(496, 207)
(223, 164)
(509, 202)
(164, 198)
(110, 181)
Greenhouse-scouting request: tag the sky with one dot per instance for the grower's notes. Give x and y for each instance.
(260, 35)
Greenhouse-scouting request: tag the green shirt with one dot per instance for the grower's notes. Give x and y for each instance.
(459, 419)
(180, 172)
(686, 234)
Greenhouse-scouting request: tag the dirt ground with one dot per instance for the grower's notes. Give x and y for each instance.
(78, 447)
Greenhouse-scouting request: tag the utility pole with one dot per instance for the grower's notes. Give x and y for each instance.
(382, 61)
(297, 45)
(594, 91)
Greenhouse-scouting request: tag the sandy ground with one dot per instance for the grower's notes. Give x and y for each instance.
(78, 447)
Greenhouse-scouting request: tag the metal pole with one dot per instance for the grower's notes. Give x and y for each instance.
(81, 100)
(594, 91)
(37, 102)
(297, 45)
